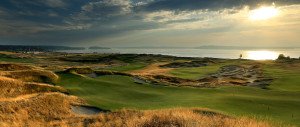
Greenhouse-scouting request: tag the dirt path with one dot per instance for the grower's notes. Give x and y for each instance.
(152, 69)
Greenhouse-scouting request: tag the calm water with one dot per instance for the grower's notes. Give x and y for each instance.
(190, 52)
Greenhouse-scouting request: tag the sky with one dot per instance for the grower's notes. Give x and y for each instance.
(154, 23)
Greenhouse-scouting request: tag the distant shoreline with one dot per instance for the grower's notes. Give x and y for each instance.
(58, 48)
(212, 47)
(224, 52)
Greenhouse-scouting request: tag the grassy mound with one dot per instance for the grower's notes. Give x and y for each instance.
(86, 71)
(13, 57)
(82, 70)
(59, 115)
(104, 72)
(172, 118)
(29, 103)
(39, 110)
(27, 73)
(13, 88)
(41, 76)
(34, 104)
(14, 67)
(117, 58)
(191, 64)
(116, 92)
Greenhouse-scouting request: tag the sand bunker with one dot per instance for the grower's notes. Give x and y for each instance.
(231, 75)
(238, 75)
(86, 110)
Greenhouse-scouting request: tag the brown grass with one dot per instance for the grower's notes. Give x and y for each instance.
(42, 109)
(41, 76)
(13, 88)
(153, 69)
(27, 73)
(14, 67)
(174, 118)
(59, 114)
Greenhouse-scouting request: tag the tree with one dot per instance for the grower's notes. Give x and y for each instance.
(281, 57)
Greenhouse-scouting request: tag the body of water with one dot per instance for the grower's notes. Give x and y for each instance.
(191, 52)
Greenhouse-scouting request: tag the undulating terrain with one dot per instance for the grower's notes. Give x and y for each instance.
(64, 89)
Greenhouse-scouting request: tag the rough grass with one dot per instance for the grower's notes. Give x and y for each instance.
(127, 67)
(27, 73)
(41, 76)
(60, 115)
(152, 69)
(13, 88)
(85, 71)
(46, 108)
(195, 73)
(31, 104)
(174, 118)
(200, 72)
(80, 70)
(12, 58)
(14, 67)
(37, 110)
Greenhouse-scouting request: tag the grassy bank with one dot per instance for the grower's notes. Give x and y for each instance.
(117, 92)
(128, 67)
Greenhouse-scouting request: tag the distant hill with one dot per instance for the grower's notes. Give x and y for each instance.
(30, 48)
(209, 47)
(242, 47)
(153, 47)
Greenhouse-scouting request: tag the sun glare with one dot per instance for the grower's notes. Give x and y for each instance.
(263, 13)
(261, 55)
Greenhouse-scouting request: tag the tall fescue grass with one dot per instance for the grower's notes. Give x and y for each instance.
(27, 73)
(174, 118)
(13, 67)
(41, 76)
(40, 109)
(126, 118)
(12, 88)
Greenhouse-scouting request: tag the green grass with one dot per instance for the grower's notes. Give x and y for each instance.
(7, 58)
(289, 79)
(200, 72)
(117, 92)
(194, 73)
(128, 67)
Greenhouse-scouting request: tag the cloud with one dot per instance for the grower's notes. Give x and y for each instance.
(208, 4)
(108, 6)
(54, 3)
(78, 20)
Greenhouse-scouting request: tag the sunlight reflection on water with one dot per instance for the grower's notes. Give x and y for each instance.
(190, 52)
(261, 55)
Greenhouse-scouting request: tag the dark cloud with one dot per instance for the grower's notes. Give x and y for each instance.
(57, 21)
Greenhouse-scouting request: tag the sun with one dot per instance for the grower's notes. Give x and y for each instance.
(264, 13)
